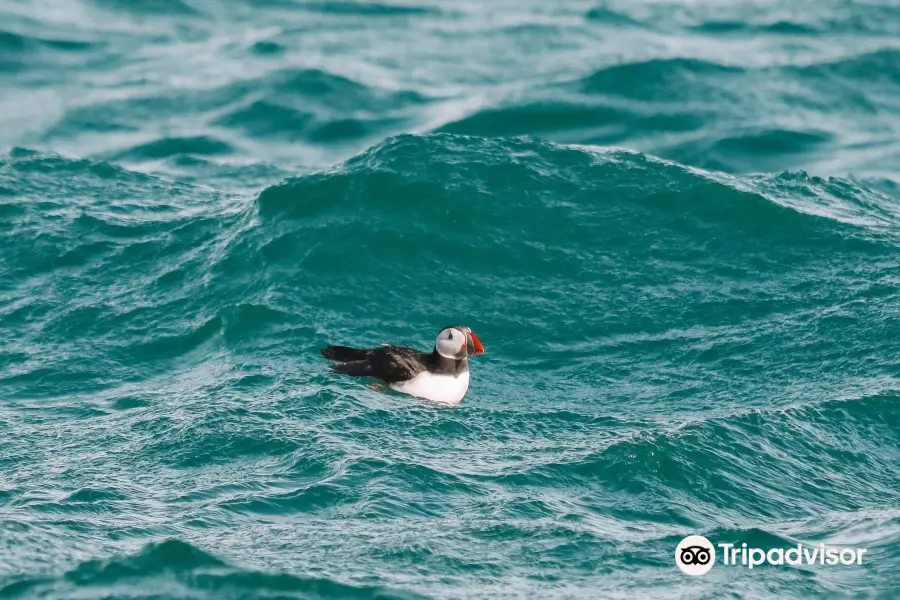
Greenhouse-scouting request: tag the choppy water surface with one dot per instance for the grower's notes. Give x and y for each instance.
(675, 226)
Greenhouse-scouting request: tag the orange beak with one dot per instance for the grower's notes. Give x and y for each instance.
(474, 345)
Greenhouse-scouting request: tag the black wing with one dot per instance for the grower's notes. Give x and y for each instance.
(344, 353)
(390, 363)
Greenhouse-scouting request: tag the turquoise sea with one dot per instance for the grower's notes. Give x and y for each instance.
(674, 225)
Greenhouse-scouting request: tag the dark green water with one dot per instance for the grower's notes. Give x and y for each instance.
(675, 226)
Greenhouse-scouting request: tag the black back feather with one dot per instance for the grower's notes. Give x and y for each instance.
(344, 353)
(391, 363)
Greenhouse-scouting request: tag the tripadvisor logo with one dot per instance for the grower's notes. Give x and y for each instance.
(696, 555)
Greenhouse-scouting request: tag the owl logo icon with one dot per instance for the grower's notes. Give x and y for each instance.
(695, 555)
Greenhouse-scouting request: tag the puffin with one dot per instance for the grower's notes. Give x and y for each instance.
(441, 376)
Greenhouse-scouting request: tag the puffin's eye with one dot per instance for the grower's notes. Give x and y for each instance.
(450, 335)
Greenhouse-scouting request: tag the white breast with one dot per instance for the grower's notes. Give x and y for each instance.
(445, 389)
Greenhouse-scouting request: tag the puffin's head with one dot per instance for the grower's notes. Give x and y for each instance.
(457, 342)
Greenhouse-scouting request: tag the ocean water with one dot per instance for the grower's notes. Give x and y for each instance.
(674, 225)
